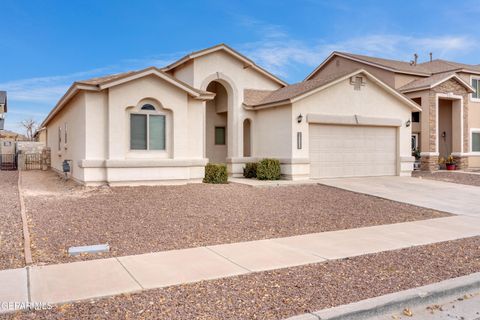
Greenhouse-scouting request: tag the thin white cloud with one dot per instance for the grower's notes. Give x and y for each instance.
(280, 55)
(49, 89)
(265, 30)
(44, 89)
(280, 52)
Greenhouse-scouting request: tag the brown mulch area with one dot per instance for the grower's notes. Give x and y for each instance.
(454, 177)
(286, 292)
(135, 220)
(11, 236)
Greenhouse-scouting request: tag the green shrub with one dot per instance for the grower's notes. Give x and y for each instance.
(268, 169)
(250, 170)
(215, 173)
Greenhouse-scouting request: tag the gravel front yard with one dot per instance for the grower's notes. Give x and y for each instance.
(286, 292)
(454, 177)
(145, 219)
(11, 236)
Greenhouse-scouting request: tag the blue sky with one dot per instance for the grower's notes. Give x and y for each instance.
(46, 45)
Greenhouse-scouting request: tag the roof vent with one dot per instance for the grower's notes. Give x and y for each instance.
(415, 59)
(357, 81)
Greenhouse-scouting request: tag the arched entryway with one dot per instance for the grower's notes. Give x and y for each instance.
(216, 124)
(247, 136)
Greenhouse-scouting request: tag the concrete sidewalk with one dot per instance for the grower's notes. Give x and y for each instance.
(104, 277)
(438, 195)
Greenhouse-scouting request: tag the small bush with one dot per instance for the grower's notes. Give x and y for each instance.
(250, 170)
(215, 173)
(268, 169)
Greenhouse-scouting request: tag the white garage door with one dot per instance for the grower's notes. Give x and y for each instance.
(351, 151)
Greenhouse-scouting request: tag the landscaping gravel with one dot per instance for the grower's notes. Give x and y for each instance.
(471, 179)
(286, 292)
(134, 220)
(11, 236)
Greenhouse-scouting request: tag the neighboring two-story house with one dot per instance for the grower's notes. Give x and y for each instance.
(448, 93)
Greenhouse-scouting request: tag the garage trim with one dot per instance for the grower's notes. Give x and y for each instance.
(352, 120)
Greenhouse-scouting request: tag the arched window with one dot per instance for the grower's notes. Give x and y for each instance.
(148, 107)
(147, 129)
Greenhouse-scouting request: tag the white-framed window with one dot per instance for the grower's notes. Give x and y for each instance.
(475, 82)
(147, 129)
(475, 140)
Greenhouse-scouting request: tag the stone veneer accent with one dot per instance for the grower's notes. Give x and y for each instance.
(461, 162)
(430, 163)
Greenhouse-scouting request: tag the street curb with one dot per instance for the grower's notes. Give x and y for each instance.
(394, 302)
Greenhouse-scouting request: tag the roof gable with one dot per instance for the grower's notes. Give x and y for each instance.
(301, 90)
(223, 47)
(102, 83)
(117, 79)
(421, 69)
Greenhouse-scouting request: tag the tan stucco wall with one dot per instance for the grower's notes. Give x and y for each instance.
(273, 133)
(42, 136)
(74, 116)
(96, 117)
(342, 100)
(403, 79)
(340, 65)
(184, 72)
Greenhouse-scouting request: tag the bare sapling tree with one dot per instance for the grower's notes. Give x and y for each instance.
(30, 127)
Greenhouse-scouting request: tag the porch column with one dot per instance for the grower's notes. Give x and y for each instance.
(429, 157)
(461, 143)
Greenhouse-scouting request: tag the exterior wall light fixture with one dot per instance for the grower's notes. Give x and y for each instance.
(408, 123)
(299, 118)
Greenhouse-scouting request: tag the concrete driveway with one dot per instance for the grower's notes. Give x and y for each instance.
(438, 195)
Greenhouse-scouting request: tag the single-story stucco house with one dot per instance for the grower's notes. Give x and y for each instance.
(215, 105)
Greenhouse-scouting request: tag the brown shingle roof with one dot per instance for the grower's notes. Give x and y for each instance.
(426, 83)
(105, 79)
(252, 97)
(118, 76)
(389, 63)
(259, 97)
(429, 67)
(440, 66)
